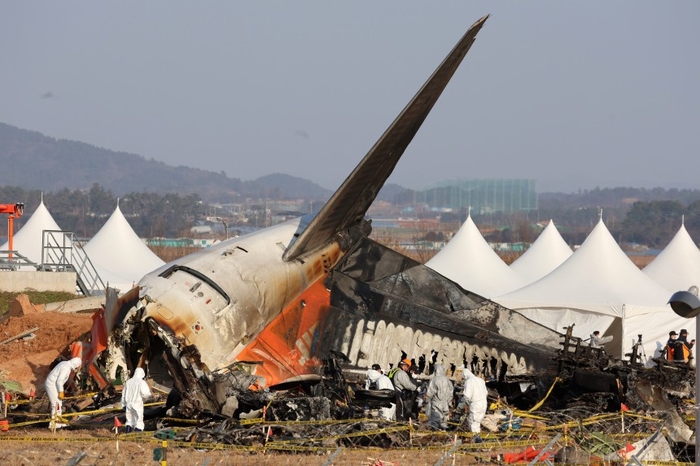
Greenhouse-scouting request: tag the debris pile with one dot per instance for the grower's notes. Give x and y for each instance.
(329, 414)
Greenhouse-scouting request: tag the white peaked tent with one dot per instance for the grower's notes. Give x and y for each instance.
(547, 253)
(677, 267)
(599, 288)
(27, 241)
(119, 255)
(468, 260)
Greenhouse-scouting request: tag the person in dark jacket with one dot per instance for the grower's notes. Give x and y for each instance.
(671, 344)
(406, 391)
(681, 349)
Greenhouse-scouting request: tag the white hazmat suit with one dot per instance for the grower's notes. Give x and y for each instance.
(475, 396)
(439, 397)
(598, 342)
(56, 381)
(383, 382)
(134, 393)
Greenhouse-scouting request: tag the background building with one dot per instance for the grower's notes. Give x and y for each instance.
(483, 196)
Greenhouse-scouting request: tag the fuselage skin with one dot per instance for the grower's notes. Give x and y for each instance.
(221, 298)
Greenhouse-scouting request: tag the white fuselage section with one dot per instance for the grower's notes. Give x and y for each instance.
(256, 284)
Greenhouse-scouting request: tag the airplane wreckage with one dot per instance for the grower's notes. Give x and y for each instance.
(306, 306)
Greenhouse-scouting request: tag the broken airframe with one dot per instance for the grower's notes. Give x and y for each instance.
(306, 306)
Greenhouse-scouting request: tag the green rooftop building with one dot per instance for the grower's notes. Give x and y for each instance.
(483, 196)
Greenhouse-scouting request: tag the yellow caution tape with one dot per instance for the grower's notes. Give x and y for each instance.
(182, 421)
(44, 400)
(508, 440)
(526, 414)
(541, 402)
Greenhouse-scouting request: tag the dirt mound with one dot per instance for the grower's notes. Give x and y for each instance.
(24, 363)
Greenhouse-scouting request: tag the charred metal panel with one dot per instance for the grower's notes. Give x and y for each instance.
(594, 381)
(389, 272)
(393, 273)
(117, 307)
(371, 326)
(654, 396)
(512, 325)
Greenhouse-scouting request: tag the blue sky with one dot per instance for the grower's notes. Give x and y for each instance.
(577, 95)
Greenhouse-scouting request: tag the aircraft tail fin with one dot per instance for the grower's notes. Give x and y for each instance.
(348, 205)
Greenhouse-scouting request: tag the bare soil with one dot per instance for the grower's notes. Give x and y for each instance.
(27, 362)
(35, 446)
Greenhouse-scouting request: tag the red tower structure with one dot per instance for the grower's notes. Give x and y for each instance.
(14, 211)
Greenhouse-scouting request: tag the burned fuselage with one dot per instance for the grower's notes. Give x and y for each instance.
(375, 305)
(388, 305)
(201, 311)
(272, 308)
(200, 317)
(265, 309)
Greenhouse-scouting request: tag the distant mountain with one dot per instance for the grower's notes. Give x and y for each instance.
(390, 192)
(31, 160)
(292, 186)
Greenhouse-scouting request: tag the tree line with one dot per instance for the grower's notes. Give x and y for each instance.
(85, 212)
(649, 222)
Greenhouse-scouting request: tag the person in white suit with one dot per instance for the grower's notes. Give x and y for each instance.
(438, 397)
(382, 382)
(476, 397)
(56, 381)
(135, 391)
(597, 341)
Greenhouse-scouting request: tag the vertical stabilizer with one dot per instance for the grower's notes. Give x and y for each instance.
(348, 205)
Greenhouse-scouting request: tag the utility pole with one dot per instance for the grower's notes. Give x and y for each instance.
(225, 225)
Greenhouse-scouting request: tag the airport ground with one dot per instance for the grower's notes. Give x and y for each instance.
(101, 447)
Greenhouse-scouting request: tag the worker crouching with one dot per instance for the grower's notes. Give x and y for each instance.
(55, 383)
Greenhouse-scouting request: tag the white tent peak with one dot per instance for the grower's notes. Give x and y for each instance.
(599, 288)
(119, 255)
(468, 260)
(677, 266)
(600, 274)
(547, 253)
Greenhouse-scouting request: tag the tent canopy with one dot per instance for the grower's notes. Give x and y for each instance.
(677, 267)
(119, 255)
(468, 260)
(599, 288)
(547, 253)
